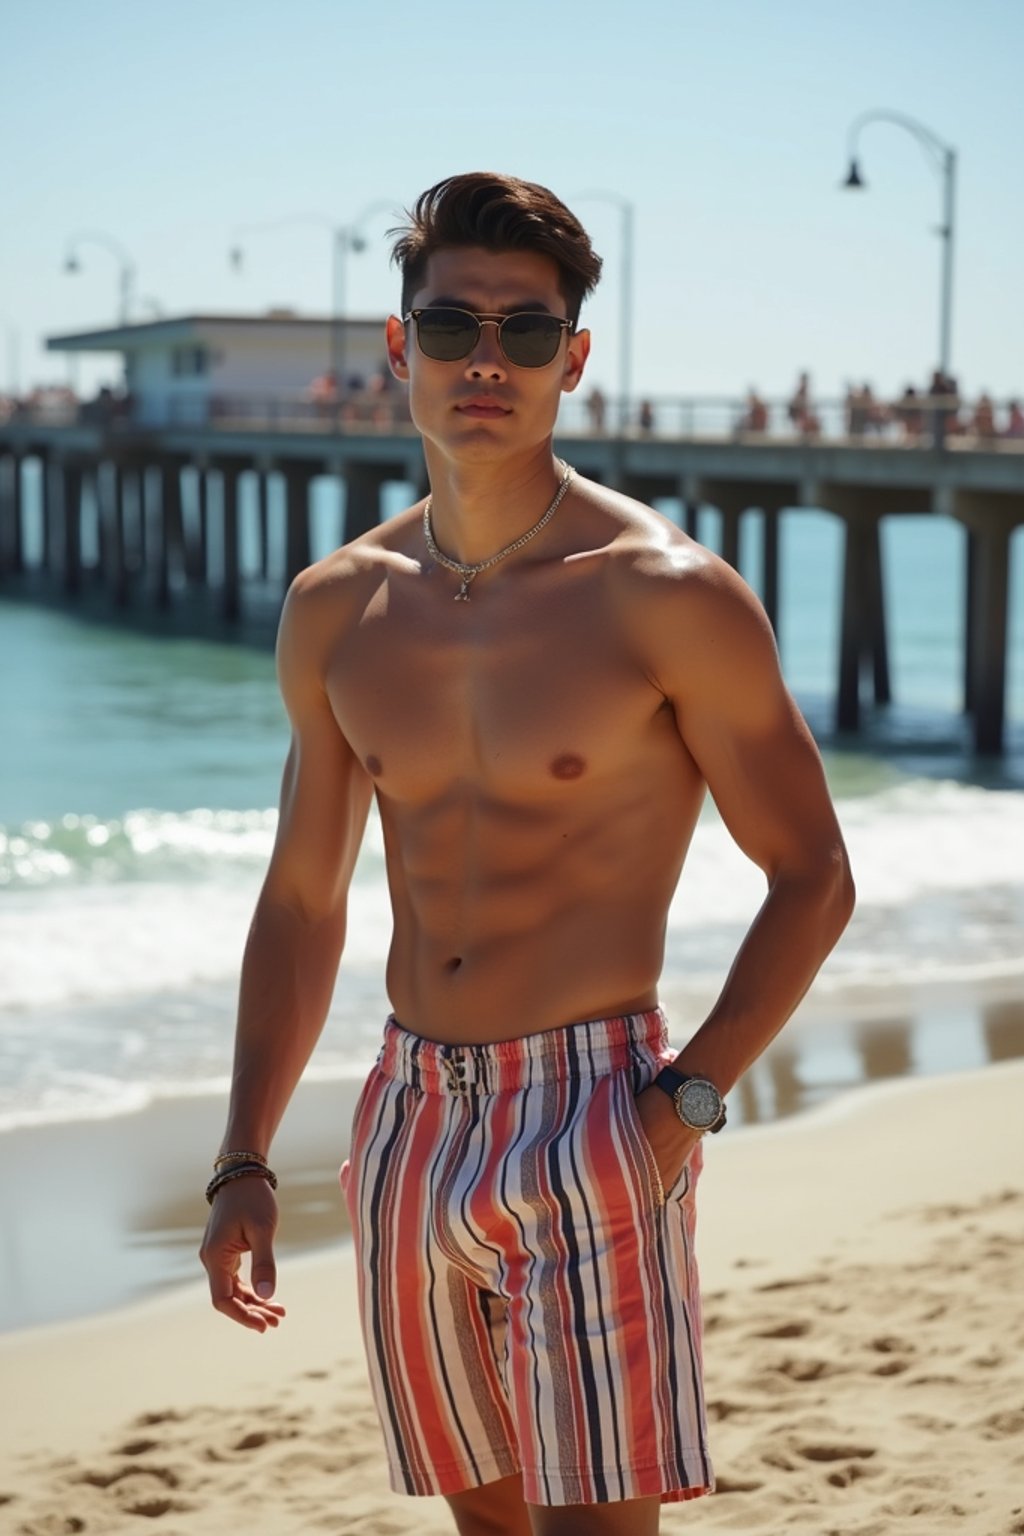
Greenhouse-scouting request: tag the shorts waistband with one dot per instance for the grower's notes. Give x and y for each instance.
(589, 1049)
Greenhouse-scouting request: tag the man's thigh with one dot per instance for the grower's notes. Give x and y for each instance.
(498, 1509)
(604, 1329)
(632, 1517)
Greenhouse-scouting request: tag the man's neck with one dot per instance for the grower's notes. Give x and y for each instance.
(478, 508)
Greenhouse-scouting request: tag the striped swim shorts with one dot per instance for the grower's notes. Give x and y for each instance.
(528, 1290)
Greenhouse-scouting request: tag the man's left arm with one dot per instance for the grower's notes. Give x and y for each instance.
(710, 650)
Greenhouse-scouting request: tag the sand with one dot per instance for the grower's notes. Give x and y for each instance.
(863, 1271)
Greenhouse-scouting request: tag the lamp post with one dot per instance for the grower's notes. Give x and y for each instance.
(942, 158)
(625, 208)
(347, 237)
(13, 370)
(126, 268)
(344, 238)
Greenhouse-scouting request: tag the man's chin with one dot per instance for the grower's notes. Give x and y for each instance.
(478, 442)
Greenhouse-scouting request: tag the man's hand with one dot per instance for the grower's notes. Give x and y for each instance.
(670, 1140)
(243, 1219)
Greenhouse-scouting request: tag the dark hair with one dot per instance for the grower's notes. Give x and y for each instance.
(500, 213)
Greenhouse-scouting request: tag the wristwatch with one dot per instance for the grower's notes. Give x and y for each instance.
(698, 1102)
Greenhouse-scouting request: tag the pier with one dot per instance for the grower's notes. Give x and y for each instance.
(146, 490)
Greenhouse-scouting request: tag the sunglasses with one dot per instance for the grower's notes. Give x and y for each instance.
(526, 339)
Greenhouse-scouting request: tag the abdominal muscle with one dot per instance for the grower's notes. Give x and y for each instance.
(512, 920)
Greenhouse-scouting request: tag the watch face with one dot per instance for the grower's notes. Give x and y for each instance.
(701, 1103)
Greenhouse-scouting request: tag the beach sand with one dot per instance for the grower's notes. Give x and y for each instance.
(862, 1265)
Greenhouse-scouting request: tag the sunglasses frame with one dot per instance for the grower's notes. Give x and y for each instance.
(481, 321)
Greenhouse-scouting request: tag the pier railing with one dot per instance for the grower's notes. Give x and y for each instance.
(927, 421)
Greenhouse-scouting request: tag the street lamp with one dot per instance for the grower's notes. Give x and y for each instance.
(942, 159)
(126, 268)
(625, 208)
(344, 238)
(13, 371)
(347, 237)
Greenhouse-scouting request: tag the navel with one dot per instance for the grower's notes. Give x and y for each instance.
(374, 766)
(567, 765)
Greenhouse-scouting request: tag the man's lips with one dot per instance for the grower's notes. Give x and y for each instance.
(482, 405)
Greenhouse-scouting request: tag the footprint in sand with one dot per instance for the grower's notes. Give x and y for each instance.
(795, 1329)
(836, 1452)
(798, 1284)
(132, 1488)
(889, 1344)
(845, 1477)
(807, 1370)
(52, 1525)
(721, 1408)
(152, 1509)
(779, 1460)
(891, 1368)
(137, 1447)
(735, 1485)
(108, 1479)
(1002, 1425)
(256, 1438)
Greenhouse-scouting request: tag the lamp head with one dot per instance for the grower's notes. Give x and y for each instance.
(71, 263)
(854, 178)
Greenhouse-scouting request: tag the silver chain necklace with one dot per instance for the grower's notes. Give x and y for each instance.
(468, 572)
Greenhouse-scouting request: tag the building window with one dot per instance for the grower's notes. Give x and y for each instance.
(189, 362)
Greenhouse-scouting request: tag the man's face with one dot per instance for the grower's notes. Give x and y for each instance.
(483, 406)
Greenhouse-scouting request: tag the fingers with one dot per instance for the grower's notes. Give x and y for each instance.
(232, 1297)
(264, 1270)
(243, 1220)
(245, 1307)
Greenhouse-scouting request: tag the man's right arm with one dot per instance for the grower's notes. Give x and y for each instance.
(294, 943)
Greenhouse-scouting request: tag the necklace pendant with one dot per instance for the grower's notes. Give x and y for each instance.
(462, 596)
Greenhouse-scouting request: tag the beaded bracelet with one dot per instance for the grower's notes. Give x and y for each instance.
(227, 1174)
(238, 1157)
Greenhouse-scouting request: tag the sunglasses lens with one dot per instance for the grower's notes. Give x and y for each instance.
(530, 341)
(446, 335)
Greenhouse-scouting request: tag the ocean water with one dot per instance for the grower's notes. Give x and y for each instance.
(139, 775)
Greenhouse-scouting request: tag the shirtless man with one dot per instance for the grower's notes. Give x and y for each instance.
(521, 1188)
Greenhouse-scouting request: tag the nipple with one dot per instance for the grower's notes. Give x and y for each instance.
(568, 766)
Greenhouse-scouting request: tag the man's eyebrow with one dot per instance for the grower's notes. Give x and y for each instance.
(531, 306)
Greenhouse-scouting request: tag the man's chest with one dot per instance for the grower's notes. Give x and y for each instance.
(518, 702)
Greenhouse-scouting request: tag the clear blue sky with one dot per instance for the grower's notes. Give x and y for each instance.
(724, 121)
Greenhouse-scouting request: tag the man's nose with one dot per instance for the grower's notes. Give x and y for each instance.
(486, 361)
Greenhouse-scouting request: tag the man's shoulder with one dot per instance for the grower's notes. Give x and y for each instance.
(354, 566)
(667, 587)
(327, 599)
(652, 557)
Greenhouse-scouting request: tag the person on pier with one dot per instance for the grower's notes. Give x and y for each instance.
(537, 679)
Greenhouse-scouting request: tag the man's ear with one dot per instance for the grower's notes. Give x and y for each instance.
(576, 354)
(396, 348)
